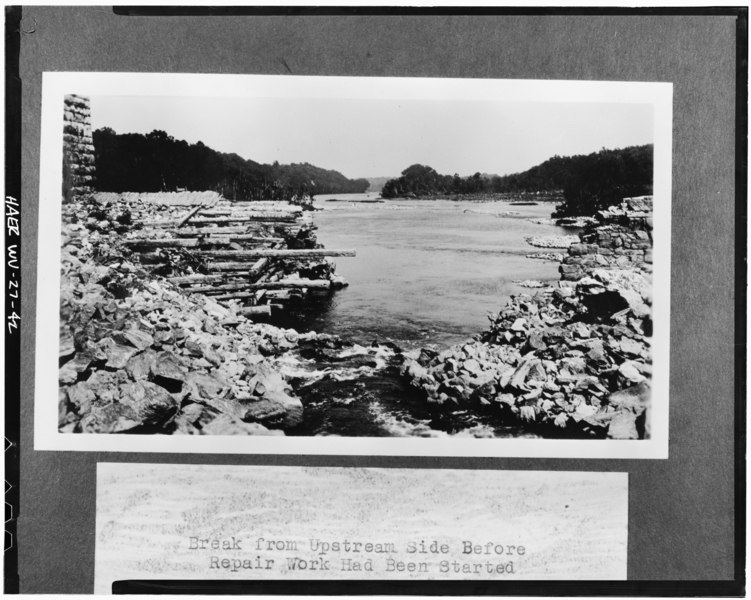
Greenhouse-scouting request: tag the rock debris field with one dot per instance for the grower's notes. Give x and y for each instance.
(140, 355)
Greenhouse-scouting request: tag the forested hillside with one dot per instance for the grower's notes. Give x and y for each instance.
(589, 182)
(158, 162)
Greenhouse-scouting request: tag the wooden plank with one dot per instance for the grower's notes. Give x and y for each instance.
(269, 217)
(254, 266)
(231, 266)
(258, 217)
(162, 243)
(242, 237)
(264, 309)
(260, 265)
(226, 240)
(259, 204)
(187, 217)
(200, 278)
(235, 296)
(240, 212)
(270, 253)
(226, 230)
(265, 285)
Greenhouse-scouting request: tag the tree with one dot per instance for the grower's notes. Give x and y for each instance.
(158, 162)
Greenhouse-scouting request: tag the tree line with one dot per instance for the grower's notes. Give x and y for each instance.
(588, 183)
(158, 162)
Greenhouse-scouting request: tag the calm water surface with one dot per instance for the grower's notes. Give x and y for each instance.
(428, 271)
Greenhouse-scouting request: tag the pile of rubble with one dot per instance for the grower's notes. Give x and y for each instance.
(573, 361)
(139, 355)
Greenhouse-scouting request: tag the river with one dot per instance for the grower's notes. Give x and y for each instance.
(427, 273)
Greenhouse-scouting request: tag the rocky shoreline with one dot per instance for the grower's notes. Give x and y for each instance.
(574, 361)
(140, 355)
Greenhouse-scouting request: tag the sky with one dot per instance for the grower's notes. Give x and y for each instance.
(372, 138)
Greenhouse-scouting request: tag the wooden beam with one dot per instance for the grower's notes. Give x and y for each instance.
(249, 237)
(254, 266)
(264, 285)
(200, 278)
(269, 217)
(227, 230)
(252, 203)
(269, 253)
(231, 266)
(187, 217)
(225, 240)
(162, 242)
(264, 309)
(234, 296)
(250, 217)
(240, 212)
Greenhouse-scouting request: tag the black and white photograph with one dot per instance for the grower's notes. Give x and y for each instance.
(418, 300)
(342, 258)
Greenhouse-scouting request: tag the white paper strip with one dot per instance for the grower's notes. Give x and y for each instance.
(235, 522)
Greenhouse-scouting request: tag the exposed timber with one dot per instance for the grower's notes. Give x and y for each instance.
(262, 253)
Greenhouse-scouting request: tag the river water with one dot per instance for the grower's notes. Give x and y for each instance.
(427, 273)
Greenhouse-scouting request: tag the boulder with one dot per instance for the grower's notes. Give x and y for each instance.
(151, 403)
(116, 355)
(67, 345)
(635, 398)
(472, 367)
(186, 418)
(113, 418)
(81, 397)
(63, 409)
(193, 347)
(528, 413)
(580, 330)
(596, 352)
(267, 412)
(67, 375)
(168, 372)
(536, 372)
(276, 390)
(623, 426)
(427, 355)
(519, 376)
(583, 410)
(106, 385)
(134, 337)
(139, 366)
(227, 425)
(629, 371)
(630, 347)
(81, 361)
(205, 386)
(536, 340)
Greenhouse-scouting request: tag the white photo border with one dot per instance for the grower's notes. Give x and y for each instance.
(55, 85)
